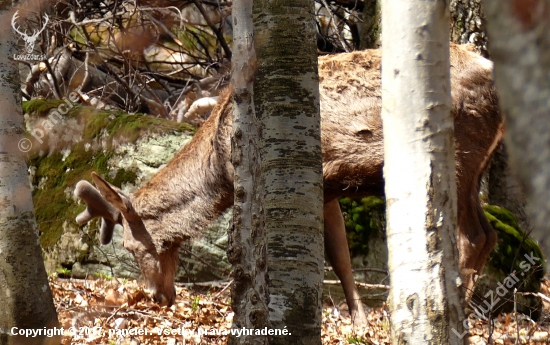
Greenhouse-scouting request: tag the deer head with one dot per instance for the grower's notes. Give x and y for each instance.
(29, 40)
(156, 259)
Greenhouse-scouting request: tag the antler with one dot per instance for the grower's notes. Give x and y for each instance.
(97, 207)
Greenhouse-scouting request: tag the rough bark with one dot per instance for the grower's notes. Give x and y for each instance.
(286, 99)
(467, 24)
(247, 252)
(25, 297)
(520, 48)
(419, 174)
(370, 30)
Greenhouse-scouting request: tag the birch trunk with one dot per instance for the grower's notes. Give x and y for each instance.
(419, 172)
(25, 297)
(520, 48)
(286, 99)
(247, 240)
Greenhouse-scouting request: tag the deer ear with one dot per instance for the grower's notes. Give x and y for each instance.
(111, 195)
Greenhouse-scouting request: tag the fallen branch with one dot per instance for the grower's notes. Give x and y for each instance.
(363, 285)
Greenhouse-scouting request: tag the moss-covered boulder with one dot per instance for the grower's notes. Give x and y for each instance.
(516, 262)
(65, 143)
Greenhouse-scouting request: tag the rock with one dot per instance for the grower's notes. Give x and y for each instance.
(205, 259)
(516, 262)
(127, 150)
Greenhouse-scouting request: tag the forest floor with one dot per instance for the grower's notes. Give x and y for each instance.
(112, 311)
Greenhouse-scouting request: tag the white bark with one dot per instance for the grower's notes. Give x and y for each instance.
(286, 99)
(419, 172)
(247, 239)
(520, 47)
(25, 298)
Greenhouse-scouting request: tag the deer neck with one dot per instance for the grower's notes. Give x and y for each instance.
(196, 186)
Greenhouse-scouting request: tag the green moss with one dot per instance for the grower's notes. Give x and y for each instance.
(41, 107)
(509, 260)
(121, 125)
(512, 246)
(57, 174)
(363, 217)
(56, 177)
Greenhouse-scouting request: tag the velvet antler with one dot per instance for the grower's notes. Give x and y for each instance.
(97, 206)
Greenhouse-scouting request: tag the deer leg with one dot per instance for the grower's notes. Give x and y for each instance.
(476, 239)
(490, 240)
(336, 246)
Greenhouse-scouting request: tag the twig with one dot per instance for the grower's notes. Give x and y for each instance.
(217, 283)
(222, 290)
(363, 285)
(537, 294)
(54, 79)
(114, 314)
(333, 21)
(365, 269)
(516, 314)
(218, 33)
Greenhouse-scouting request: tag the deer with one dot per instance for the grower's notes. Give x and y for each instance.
(196, 186)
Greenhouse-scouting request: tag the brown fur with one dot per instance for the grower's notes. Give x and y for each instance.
(197, 185)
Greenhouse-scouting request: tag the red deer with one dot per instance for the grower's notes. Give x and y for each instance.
(197, 185)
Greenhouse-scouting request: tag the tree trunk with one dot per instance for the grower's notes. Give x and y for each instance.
(286, 99)
(247, 240)
(370, 30)
(520, 48)
(25, 297)
(467, 24)
(419, 172)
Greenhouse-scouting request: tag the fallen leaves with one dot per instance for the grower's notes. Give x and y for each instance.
(120, 312)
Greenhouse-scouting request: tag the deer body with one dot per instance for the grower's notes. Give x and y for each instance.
(197, 185)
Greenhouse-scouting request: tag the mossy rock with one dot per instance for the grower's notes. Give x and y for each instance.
(59, 164)
(364, 218)
(126, 149)
(365, 226)
(516, 262)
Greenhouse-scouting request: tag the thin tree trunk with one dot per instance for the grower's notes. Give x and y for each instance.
(249, 294)
(25, 297)
(467, 24)
(520, 48)
(370, 30)
(286, 99)
(419, 172)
